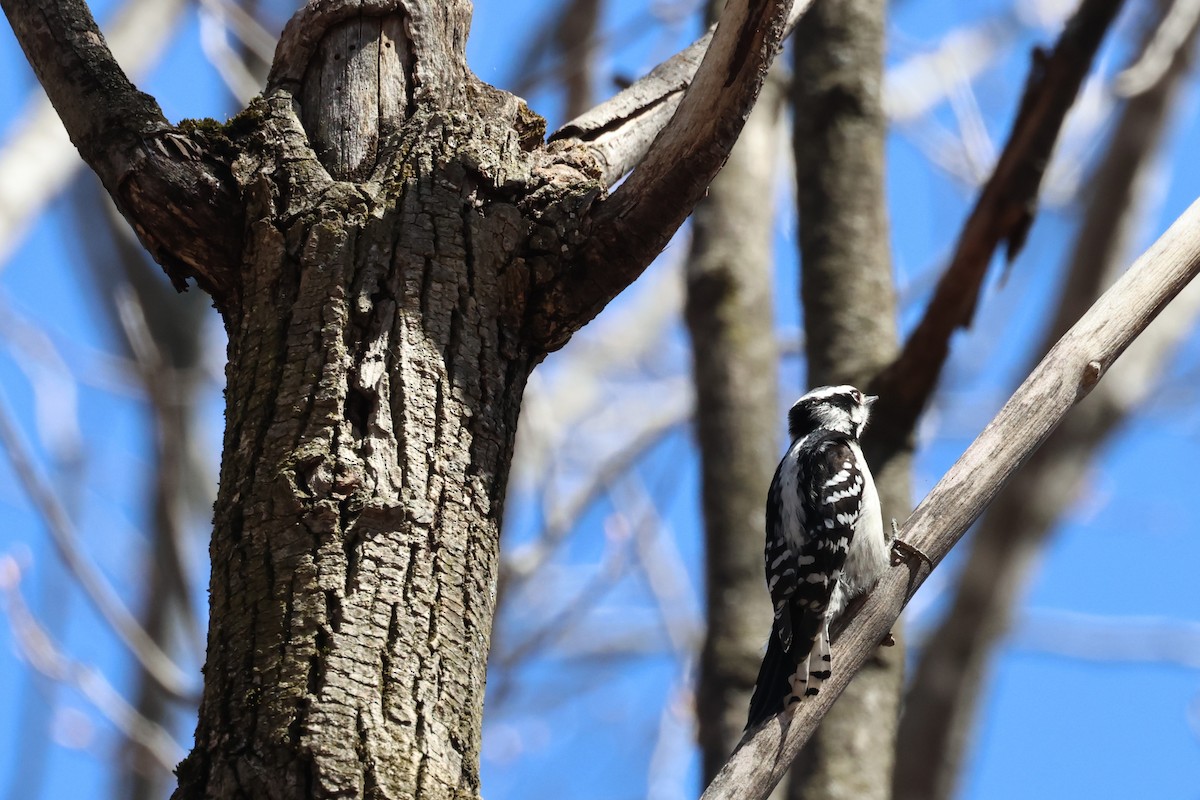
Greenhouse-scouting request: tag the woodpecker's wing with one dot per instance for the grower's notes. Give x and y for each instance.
(812, 507)
(813, 504)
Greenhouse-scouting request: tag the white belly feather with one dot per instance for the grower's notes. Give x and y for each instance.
(868, 557)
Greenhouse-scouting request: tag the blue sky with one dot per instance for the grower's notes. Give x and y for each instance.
(1053, 725)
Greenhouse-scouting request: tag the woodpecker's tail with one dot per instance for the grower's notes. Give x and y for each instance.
(789, 674)
(784, 676)
(773, 687)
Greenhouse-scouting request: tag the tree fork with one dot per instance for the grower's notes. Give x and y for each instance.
(392, 248)
(374, 381)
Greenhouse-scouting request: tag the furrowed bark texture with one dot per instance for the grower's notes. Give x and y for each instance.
(728, 310)
(375, 374)
(384, 236)
(849, 321)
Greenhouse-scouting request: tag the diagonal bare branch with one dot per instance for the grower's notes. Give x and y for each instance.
(627, 230)
(165, 181)
(37, 160)
(944, 691)
(157, 664)
(1003, 214)
(1067, 374)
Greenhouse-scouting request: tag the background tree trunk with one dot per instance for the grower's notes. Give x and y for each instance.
(849, 323)
(942, 703)
(729, 315)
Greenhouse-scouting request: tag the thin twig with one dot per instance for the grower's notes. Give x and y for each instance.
(1111, 639)
(528, 560)
(1172, 36)
(44, 656)
(1003, 214)
(165, 672)
(613, 565)
(663, 567)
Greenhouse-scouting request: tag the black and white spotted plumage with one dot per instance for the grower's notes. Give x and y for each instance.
(825, 542)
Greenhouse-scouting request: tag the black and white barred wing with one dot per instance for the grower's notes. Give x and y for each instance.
(812, 508)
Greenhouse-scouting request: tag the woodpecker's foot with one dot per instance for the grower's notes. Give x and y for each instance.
(888, 641)
(902, 551)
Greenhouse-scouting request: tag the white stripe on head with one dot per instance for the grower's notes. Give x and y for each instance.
(837, 408)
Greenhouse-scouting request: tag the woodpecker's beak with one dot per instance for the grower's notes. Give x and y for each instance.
(870, 399)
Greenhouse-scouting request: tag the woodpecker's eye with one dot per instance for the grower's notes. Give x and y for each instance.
(858, 396)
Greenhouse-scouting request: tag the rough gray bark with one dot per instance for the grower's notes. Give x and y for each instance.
(355, 540)
(400, 249)
(729, 317)
(942, 701)
(849, 322)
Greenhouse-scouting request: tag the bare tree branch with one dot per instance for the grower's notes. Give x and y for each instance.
(1003, 213)
(943, 696)
(45, 657)
(259, 43)
(156, 663)
(158, 175)
(38, 160)
(664, 569)
(1112, 639)
(619, 132)
(164, 333)
(1063, 378)
(571, 34)
(916, 86)
(563, 517)
(848, 296)
(1173, 36)
(627, 230)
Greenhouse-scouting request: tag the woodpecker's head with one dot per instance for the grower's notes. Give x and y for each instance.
(833, 408)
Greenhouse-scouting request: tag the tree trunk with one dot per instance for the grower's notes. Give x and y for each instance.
(729, 317)
(849, 321)
(374, 381)
(392, 247)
